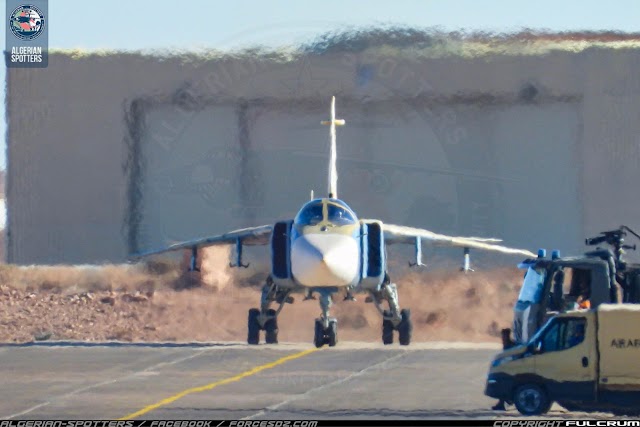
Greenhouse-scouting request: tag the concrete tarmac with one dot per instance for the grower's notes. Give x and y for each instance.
(236, 381)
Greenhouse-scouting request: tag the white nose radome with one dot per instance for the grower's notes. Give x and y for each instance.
(323, 260)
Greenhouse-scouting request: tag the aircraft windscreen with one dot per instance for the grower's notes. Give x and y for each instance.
(310, 214)
(532, 286)
(339, 215)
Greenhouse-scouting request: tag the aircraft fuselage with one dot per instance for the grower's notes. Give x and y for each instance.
(325, 245)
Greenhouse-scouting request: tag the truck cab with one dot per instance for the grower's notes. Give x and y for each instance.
(555, 285)
(583, 359)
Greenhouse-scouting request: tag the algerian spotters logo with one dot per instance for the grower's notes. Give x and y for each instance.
(26, 22)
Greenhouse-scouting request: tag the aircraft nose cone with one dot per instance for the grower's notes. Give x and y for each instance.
(325, 260)
(331, 257)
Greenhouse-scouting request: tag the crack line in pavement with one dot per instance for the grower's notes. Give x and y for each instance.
(92, 386)
(324, 386)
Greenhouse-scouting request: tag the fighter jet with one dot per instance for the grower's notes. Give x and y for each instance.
(326, 250)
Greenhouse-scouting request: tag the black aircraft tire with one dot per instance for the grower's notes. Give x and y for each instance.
(405, 328)
(271, 328)
(318, 338)
(387, 330)
(253, 335)
(332, 333)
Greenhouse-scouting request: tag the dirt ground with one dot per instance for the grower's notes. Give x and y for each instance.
(156, 302)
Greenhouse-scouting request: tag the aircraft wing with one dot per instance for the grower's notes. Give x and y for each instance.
(248, 236)
(401, 234)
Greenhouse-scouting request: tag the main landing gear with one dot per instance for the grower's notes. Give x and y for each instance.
(393, 319)
(326, 328)
(266, 318)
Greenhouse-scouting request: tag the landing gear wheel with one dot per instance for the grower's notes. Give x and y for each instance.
(405, 327)
(332, 333)
(318, 338)
(271, 328)
(253, 336)
(387, 330)
(531, 399)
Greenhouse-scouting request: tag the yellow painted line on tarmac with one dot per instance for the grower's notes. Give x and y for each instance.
(207, 387)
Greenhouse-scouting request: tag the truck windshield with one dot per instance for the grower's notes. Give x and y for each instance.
(532, 286)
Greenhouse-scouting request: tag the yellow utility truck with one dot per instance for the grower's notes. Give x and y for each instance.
(585, 360)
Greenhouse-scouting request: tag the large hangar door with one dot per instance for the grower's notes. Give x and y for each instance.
(188, 180)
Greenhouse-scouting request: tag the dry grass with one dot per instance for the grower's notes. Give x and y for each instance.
(156, 301)
(72, 279)
(151, 274)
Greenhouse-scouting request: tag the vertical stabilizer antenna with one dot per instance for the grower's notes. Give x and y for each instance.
(333, 171)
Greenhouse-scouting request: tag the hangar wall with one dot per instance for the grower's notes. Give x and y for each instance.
(114, 153)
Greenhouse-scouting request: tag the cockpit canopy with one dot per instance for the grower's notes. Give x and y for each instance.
(310, 214)
(337, 213)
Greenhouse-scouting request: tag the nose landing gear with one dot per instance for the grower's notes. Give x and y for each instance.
(327, 336)
(326, 328)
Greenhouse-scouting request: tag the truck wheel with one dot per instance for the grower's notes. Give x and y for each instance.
(253, 335)
(271, 328)
(531, 399)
